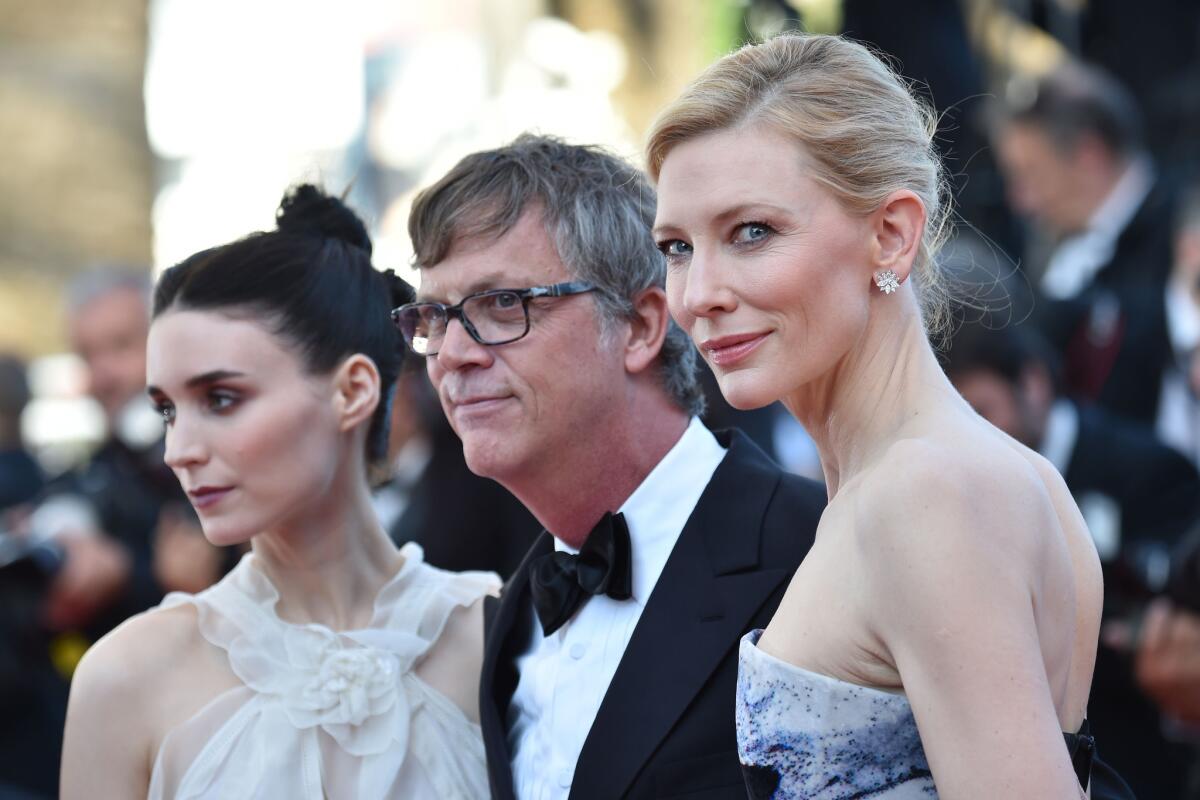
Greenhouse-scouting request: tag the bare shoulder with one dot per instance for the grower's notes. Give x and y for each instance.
(463, 635)
(934, 494)
(114, 688)
(137, 653)
(453, 663)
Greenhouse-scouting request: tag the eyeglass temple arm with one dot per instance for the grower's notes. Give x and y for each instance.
(560, 289)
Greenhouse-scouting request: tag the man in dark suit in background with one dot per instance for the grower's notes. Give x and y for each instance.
(1075, 165)
(610, 673)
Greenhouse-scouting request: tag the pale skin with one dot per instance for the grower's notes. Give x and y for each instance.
(243, 413)
(572, 417)
(951, 563)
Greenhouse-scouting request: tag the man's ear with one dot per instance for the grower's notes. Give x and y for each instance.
(647, 329)
(896, 230)
(356, 387)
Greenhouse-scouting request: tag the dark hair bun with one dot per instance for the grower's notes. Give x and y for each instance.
(307, 211)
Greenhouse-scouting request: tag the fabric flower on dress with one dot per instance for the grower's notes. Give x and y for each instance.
(352, 691)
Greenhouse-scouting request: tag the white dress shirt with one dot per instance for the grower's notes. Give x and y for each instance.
(564, 676)
(1078, 258)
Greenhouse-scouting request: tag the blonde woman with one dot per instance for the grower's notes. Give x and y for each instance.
(940, 636)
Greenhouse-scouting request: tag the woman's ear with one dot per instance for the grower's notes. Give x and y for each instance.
(647, 329)
(356, 391)
(897, 227)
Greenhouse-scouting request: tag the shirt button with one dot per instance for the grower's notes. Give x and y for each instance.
(577, 650)
(564, 779)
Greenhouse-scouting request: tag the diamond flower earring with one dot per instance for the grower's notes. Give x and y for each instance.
(887, 281)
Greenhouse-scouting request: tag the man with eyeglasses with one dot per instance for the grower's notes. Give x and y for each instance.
(611, 656)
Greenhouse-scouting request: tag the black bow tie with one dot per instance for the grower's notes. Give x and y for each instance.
(561, 582)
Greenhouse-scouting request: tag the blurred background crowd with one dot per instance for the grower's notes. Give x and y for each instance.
(134, 133)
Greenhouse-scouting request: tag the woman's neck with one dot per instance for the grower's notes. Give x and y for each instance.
(880, 392)
(329, 560)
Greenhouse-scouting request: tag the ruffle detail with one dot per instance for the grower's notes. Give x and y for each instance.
(345, 704)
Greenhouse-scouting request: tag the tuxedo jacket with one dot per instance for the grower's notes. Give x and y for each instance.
(666, 725)
(1119, 364)
(1155, 486)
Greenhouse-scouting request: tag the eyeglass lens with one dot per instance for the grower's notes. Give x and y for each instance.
(493, 318)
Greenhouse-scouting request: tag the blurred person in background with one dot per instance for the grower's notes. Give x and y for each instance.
(21, 478)
(121, 517)
(1164, 649)
(1072, 155)
(461, 521)
(1179, 411)
(1138, 496)
(32, 693)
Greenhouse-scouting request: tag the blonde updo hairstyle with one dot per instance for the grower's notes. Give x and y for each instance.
(865, 133)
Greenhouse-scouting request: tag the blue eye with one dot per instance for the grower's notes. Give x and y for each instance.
(749, 232)
(673, 248)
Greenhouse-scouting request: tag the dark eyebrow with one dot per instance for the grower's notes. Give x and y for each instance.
(213, 376)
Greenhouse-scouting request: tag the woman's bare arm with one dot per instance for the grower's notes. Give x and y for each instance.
(952, 580)
(453, 664)
(106, 746)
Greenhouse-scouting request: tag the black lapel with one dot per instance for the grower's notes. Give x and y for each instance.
(506, 630)
(1079, 468)
(710, 588)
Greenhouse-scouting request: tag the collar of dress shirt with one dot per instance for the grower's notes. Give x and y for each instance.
(1122, 203)
(1062, 431)
(1183, 318)
(659, 508)
(1080, 256)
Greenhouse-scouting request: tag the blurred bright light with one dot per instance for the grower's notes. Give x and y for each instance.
(436, 93)
(216, 199)
(588, 62)
(237, 75)
(61, 423)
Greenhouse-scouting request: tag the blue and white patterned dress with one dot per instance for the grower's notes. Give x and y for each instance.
(802, 735)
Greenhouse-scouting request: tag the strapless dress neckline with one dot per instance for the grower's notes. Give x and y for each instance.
(802, 734)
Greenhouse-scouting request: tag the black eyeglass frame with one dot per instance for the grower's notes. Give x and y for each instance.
(456, 311)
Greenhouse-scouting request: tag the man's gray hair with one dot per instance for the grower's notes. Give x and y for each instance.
(598, 211)
(102, 280)
(1078, 99)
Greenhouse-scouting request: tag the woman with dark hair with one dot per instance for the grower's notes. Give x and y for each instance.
(327, 663)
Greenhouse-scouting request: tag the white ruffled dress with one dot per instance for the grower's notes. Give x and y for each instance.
(323, 714)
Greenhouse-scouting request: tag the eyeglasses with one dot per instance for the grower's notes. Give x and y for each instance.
(497, 316)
